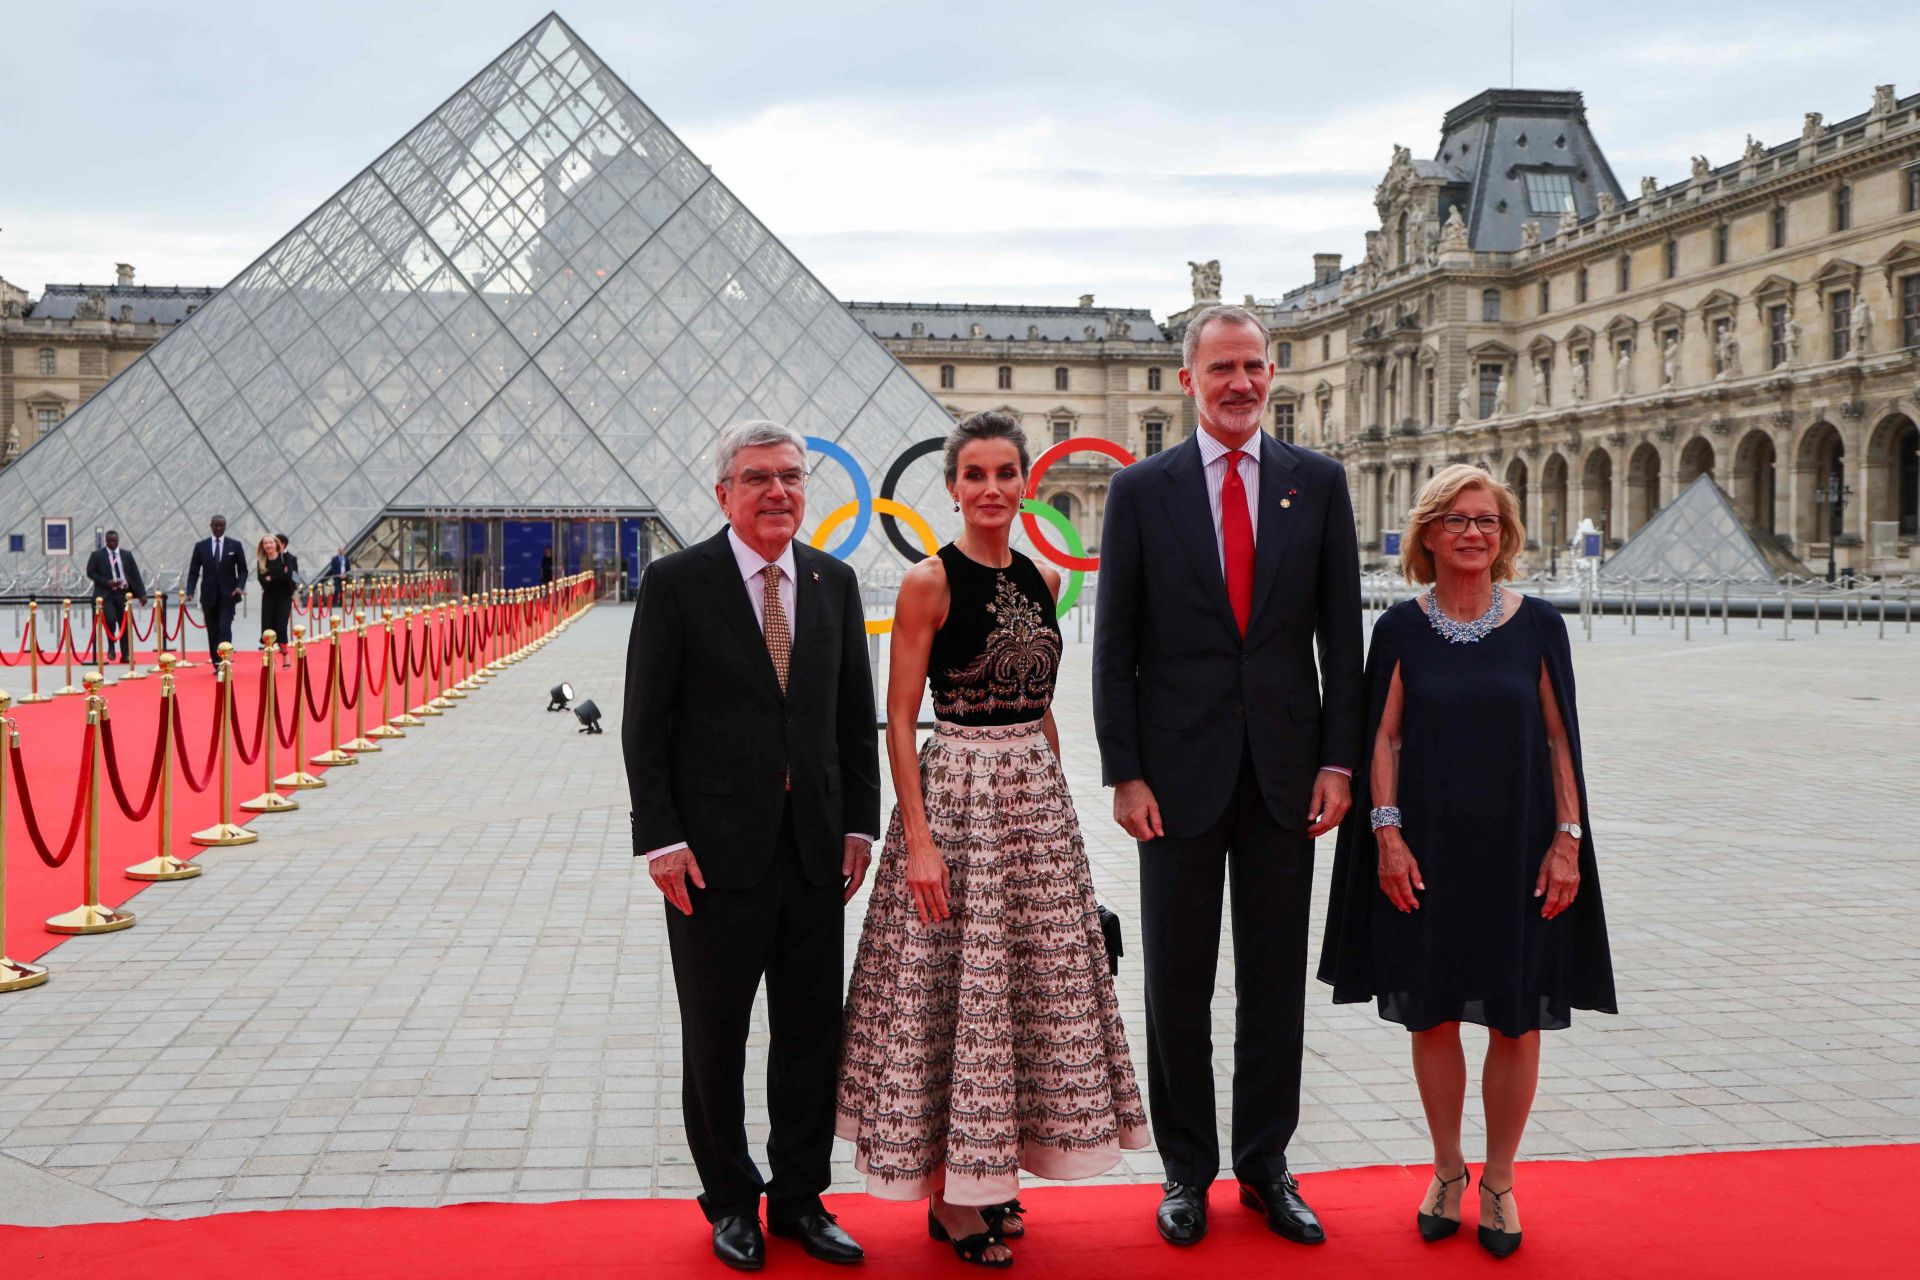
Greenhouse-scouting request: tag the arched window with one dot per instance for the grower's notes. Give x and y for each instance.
(1490, 304)
(946, 377)
(1060, 378)
(1004, 377)
(46, 362)
(1283, 355)
(1063, 503)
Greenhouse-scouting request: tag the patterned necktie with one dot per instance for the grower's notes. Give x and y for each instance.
(779, 639)
(1236, 537)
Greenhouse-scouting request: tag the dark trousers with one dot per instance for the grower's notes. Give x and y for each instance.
(217, 613)
(276, 615)
(788, 931)
(1181, 883)
(113, 607)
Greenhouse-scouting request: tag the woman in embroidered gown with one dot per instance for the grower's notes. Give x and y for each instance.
(1469, 892)
(982, 1034)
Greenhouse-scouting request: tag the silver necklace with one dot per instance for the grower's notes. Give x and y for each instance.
(1464, 632)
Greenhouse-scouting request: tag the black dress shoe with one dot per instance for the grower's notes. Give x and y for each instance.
(1183, 1213)
(820, 1235)
(1287, 1214)
(738, 1243)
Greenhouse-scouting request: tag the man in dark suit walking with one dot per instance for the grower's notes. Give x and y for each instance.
(1225, 563)
(336, 572)
(115, 576)
(219, 569)
(755, 774)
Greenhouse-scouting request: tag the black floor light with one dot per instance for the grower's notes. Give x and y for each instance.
(588, 715)
(560, 695)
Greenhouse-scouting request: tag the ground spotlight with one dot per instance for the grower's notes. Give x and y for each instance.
(560, 695)
(588, 715)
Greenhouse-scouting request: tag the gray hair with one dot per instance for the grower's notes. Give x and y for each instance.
(1236, 315)
(750, 434)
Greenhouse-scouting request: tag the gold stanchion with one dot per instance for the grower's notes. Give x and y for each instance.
(132, 645)
(443, 702)
(90, 916)
(181, 662)
(386, 727)
(335, 756)
(163, 865)
(300, 779)
(69, 689)
(462, 626)
(33, 658)
(99, 631)
(14, 976)
(225, 832)
(360, 744)
(270, 800)
(407, 719)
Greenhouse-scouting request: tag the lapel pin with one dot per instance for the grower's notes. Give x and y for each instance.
(1288, 500)
(816, 575)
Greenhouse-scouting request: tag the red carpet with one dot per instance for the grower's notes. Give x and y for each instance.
(1803, 1213)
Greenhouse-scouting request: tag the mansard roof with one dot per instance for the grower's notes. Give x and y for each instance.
(1006, 323)
(1495, 139)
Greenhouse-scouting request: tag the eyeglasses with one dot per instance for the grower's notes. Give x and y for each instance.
(760, 481)
(1458, 524)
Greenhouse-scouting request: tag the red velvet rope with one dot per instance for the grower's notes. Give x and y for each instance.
(152, 613)
(306, 686)
(79, 802)
(113, 773)
(259, 722)
(419, 668)
(374, 687)
(284, 731)
(188, 617)
(180, 750)
(348, 701)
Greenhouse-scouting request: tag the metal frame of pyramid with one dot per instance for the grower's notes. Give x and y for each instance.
(538, 298)
(1702, 536)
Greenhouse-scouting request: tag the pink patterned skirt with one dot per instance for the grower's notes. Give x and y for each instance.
(989, 1042)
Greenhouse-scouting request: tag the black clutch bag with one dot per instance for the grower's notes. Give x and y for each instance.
(1110, 930)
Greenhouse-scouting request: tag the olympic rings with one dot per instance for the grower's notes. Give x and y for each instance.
(862, 497)
(1077, 559)
(889, 485)
(887, 506)
(1076, 578)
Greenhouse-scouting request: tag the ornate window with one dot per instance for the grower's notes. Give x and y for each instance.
(1283, 414)
(1063, 503)
(46, 362)
(1545, 297)
(1283, 355)
(1489, 304)
(946, 377)
(1003, 377)
(1156, 436)
(46, 420)
(1722, 242)
(1840, 312)
(1843, 207)
(1153, 379)
(1778, 219)
(1580, 286)
(1062, 429)
(1060, 378)
(1910, 311)
(1672, 258)
(1776, 336)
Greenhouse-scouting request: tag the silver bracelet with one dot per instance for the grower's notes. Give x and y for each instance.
(1385, 816)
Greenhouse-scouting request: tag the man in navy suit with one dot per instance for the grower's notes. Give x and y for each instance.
(115, 576)
(219, 569)
(1226, 563)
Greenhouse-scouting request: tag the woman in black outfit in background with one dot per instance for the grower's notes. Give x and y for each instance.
(275, 572)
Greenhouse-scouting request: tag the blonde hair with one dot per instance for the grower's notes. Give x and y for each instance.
(1437, 498)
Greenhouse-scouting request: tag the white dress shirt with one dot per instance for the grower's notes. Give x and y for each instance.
(751, 566)
(113, 562)
(1213, 456)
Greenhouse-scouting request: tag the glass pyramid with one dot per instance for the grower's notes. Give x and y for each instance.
(1701, 536)
(539, 299)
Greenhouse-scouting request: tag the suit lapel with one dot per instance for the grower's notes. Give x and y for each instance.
(730, 594)
(1274, 531)
(810, 612)
(1192, 516)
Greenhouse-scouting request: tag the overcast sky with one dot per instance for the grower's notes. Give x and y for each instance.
(987, 151)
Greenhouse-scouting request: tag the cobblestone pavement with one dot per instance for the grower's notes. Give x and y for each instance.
(445, 979)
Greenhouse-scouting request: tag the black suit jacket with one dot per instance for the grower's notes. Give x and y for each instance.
(221, 579)
(1176, 690)
(708, 736)
(100, 570)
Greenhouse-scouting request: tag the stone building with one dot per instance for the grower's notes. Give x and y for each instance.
(56, 352)
(1758, 321)
(1063, 371)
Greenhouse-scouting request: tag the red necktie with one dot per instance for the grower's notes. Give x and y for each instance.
(1236, 536)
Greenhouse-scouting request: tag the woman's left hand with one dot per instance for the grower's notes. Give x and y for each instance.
(1559, 877)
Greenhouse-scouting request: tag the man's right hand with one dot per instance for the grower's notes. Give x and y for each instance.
(1137, 812)
(671, 871)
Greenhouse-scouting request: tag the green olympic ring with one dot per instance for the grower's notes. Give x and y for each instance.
(1076, 578)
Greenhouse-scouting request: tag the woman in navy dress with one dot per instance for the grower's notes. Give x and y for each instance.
(1468, 892)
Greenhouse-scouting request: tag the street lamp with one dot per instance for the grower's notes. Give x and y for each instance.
(1553, 524)
(1833, 496)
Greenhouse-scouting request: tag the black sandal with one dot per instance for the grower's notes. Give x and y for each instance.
(971, 1248)
(1436, 1225)
(997, 1215)
(1497, 1240)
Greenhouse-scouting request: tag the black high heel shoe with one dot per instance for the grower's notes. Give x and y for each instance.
(1497, 1240)
(998, 1215)
(971, 1248)
(1434, 1226)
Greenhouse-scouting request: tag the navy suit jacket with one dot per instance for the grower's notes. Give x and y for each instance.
(217, 580)
(1177, 690)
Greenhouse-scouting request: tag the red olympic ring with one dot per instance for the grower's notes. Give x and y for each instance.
(1053, 454)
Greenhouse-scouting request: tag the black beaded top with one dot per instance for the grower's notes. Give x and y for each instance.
(994, 660)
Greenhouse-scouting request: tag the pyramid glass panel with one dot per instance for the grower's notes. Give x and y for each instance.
(538, 299)
(1702, 537)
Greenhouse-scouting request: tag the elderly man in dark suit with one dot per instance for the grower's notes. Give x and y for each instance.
(115, 576)
(218, 568)
(755, 774)
(1226, 564)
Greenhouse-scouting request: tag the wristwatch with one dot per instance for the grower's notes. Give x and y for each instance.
(1571, 828)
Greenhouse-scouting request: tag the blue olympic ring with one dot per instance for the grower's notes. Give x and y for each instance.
(862, 494)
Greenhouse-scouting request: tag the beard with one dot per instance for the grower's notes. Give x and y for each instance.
(1235, 419)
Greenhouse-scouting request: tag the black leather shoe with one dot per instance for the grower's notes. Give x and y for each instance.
(1287, 1214)
(820, 1235)
(1183, 1213)
(738, 1243)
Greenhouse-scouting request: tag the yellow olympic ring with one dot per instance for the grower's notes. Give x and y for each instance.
(886, 507)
